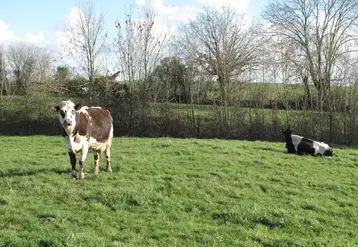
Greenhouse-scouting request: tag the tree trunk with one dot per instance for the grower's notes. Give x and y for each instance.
(224, 100)
(319, 97)
(308, 98)
(90, 90)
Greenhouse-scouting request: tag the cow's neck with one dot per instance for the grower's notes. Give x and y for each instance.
(68, 131)
(288, 138)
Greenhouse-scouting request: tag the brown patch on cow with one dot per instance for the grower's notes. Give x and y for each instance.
(82, 124)
(96, 124)
(101, 121)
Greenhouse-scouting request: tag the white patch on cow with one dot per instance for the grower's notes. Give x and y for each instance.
(97, 146)
(83, 109)
(74, 143)
(84, 151)
(82, 174)
(83, 158)
(98, 107)
(320, 147)
(111, 132)
(296, 139)
(67, 143)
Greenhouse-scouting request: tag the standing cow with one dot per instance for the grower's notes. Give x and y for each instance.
(85, 129)
(296, 144)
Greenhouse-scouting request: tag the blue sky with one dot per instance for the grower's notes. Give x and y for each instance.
(38, 21)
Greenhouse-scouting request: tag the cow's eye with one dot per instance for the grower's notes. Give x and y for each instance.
(62, 113)
(73, 111)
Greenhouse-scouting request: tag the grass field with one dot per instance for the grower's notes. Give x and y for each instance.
(177, 192)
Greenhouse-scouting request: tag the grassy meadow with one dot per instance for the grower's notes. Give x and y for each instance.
(177, 192)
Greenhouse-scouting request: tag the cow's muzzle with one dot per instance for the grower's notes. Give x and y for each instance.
(328, 152)
(67, 123)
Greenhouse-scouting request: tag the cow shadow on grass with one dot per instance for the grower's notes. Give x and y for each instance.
(271, 149)
(22, 173)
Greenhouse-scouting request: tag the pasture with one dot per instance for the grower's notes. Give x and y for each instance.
(177, 192)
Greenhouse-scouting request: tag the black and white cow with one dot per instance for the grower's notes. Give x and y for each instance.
(85, 129)
(296, 144)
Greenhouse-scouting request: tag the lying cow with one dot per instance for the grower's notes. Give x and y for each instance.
(85, 128)
(299, 145)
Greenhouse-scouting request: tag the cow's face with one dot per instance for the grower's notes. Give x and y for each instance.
(324, 149)
(67, 114)
(287, 132)
(328, 152)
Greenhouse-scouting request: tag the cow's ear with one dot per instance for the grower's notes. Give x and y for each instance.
(78, 107)
(55, 107)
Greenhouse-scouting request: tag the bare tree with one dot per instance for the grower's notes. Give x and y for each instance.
(222, 44)
(87, 41)
(320, 30)
(197, 81)
(22, 60)
(3, 85)
(44, 72)
(140, 47)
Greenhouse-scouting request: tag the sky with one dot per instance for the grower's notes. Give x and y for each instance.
(40, 22)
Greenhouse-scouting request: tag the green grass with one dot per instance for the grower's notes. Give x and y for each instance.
(177, 192)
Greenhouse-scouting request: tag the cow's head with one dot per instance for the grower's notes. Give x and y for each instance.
(287, 132)
(324, 149)
(67, 114)
(288, 138)
(328, 152)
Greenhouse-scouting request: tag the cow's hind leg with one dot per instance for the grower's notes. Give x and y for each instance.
(73, 163)
(96, 162)
(82, 161)
(108, 158)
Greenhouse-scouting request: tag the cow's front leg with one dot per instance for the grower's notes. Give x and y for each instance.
(73, 163)
(96, 162)
(82, 161)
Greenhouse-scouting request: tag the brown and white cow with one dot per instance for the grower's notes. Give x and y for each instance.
(85, 129)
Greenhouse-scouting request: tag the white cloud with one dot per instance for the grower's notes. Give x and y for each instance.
(7, 36)
(241, 6)
(61, 38)
(176, 13)
(74, 17)
(63, 44)
(170, 13)
(72, 21)
(140, 2)
(73, 24)
(5, 33)
(36, 39)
